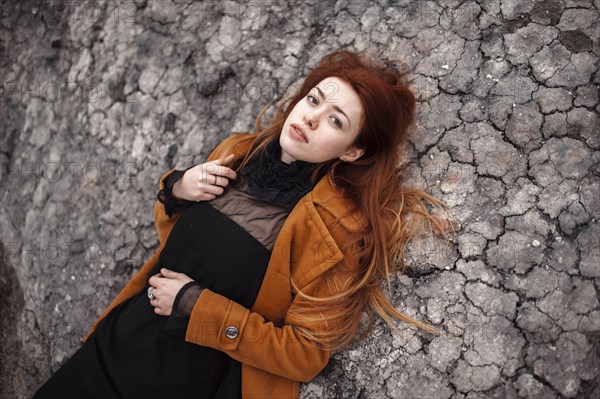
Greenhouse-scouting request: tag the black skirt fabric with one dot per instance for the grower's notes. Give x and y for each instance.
(135, 353)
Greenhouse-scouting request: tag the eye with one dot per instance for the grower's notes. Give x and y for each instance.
(336, 121)
(312, 99)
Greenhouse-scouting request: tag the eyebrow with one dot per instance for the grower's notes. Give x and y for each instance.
(335, 106)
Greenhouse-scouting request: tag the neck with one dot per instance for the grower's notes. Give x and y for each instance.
(285, 158)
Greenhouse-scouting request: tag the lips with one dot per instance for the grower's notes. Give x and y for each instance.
(299, 131)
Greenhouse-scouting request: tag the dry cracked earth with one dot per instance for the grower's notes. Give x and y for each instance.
(100, 98)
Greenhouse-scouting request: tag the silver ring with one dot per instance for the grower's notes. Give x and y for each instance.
(150, 296)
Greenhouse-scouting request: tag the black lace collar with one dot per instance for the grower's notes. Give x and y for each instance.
(275, 181)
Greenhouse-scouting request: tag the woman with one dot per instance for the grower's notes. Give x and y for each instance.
(269, 253)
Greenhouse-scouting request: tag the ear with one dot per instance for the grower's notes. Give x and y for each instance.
(352, 154)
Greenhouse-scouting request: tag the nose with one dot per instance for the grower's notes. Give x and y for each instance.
(310, 120)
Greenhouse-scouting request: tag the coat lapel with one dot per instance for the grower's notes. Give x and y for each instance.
(303, 250)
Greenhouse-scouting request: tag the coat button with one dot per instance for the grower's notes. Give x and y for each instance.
(231, 332)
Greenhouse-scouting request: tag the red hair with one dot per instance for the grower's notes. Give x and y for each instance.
(391, 214)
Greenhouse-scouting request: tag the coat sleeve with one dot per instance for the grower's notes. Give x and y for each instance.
(163, 224)
(246, 336)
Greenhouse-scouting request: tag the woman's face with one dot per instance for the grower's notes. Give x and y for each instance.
(323, 125)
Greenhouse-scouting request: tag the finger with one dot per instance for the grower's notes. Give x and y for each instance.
(209, 179)
(214, 168)
(210, 189)
(176, 275)
(168, 273)
(207, 197)
(226, 172)
(217, 180)
(152, 281)
(226, 160)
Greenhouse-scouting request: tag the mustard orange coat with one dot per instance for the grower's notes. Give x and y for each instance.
(274, 356)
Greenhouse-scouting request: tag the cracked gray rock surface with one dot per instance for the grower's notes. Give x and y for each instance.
(99, 99)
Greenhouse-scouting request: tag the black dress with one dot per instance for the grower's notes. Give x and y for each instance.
(135, 353)
(226, 259)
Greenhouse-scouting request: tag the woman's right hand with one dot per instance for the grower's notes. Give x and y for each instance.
(204, 182)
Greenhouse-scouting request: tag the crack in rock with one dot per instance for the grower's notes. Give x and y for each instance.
(506, 134)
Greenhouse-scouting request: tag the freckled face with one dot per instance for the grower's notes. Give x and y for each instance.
(323, 125)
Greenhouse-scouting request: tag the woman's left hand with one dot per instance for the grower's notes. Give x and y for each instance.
(164, 287)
